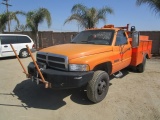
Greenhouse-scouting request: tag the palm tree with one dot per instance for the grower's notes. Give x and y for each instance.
(3, 21)
(36, 17)
(20, 28)
(88, 17)
(7, 17)
(153, 4)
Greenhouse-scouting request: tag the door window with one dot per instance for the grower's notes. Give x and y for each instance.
(121, 38)
(23, 39)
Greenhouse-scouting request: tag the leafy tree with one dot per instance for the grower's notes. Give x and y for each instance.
(88, 17)
(8, 17)
(35, 18)
(153, 4)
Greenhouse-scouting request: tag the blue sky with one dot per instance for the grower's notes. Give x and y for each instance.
(125, 11)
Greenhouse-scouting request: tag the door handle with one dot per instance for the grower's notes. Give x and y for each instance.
(126, 50)
(5, 46)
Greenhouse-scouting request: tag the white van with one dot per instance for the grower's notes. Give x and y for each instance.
(19, 43)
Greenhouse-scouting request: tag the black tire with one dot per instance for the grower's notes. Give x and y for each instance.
(97, 88)
(23, 53)
(141, 67)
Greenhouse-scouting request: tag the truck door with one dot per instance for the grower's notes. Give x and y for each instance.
(122, 50)
(6, 49)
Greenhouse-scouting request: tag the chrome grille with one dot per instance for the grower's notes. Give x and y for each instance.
(41, 57)
(53, 60)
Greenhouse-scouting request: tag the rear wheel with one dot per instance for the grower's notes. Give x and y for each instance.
(98, 87)
(23, 53)
(141, 67)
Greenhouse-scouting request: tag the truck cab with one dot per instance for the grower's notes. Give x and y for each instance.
(91, 57)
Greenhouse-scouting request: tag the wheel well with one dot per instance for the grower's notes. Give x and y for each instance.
(147, 56)
(22, 49)
(107, 66)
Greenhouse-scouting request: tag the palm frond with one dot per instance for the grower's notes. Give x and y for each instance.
(79, 8)
(36, 17)
(153, 4)
(8, 17)
(87, 17)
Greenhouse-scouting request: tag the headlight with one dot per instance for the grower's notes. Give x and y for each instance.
(78, 67)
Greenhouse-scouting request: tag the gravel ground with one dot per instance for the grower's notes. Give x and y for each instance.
(136, 96)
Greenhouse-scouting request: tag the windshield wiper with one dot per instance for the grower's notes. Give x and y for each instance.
(88, 42)
(72, 42)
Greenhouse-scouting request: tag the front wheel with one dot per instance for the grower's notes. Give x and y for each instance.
(98, 87)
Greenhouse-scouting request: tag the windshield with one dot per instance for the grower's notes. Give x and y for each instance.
(100, 37)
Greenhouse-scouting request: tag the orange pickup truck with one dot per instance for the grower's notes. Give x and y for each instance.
(91, 57)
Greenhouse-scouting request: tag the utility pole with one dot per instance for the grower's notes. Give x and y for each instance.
(6, 4)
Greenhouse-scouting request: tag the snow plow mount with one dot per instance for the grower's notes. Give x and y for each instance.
(41, 79)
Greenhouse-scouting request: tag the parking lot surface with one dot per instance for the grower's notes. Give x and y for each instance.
(135, 96)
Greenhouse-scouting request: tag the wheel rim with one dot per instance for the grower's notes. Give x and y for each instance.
(101, 87)
(24, 53)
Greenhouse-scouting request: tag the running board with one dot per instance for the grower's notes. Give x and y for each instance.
(118, 75)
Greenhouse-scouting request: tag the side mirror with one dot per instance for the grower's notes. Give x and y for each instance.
(135, 39)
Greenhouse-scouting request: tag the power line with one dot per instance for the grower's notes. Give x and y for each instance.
(5, 2)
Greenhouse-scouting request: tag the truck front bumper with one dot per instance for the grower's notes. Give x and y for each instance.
(62, 79)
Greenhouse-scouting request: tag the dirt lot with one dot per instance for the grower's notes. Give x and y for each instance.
(136, 96)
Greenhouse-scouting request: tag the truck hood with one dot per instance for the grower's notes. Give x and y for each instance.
(77, 50)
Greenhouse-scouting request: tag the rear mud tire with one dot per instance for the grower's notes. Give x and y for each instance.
(97, 88)
(141, 67)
